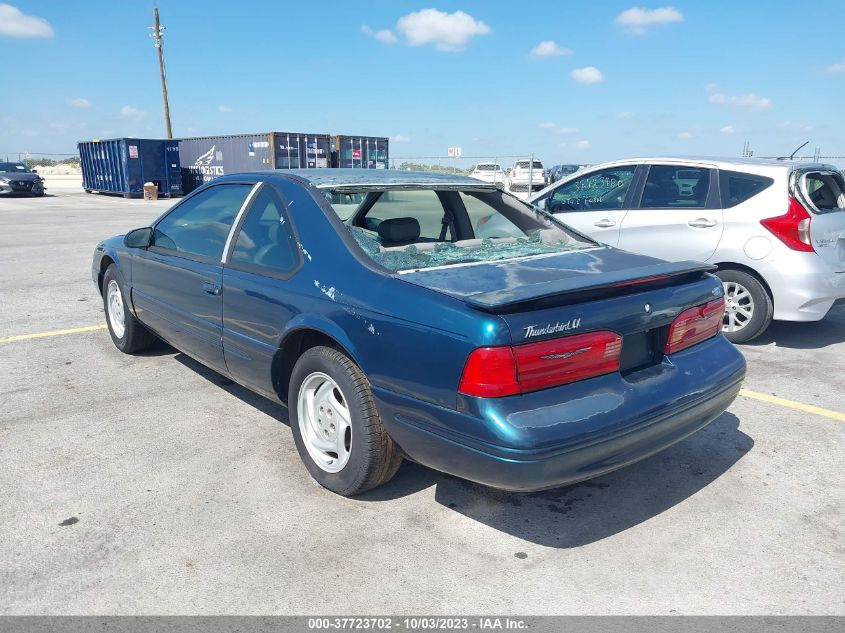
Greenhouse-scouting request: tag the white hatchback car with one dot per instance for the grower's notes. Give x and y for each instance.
(775, 229)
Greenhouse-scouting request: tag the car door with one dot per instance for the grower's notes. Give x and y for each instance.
(678, 216)
(594, 203)
(263, 256)
(177, 280)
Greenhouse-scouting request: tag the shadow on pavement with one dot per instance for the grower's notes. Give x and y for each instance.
(810, 335)
(592, 510)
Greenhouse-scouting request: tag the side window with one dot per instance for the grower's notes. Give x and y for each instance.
(673, 186)
(422, 204)
(266, 238)
(737, 187)
(200, 225)
(605, 189)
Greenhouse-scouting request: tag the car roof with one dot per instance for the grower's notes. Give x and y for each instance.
(376, 179)
(718, 161)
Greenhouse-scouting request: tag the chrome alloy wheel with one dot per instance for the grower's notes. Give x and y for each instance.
(324, 422)
(739, 307)
(114, 299)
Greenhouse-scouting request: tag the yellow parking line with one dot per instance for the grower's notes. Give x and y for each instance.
(791, 404)
(73, 330)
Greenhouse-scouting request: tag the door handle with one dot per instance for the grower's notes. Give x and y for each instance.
(211, 288)
(702, 223)
(605, 223)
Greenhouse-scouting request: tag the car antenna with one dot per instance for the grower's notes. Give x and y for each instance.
(796, 150)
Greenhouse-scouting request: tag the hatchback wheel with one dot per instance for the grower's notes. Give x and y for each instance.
(335, 425)
(127, 333)
(748, 306)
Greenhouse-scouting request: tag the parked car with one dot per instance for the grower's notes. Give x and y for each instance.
(392, 331)
(775, 229)
(489, 172)
(524, 171)
(17, 179)
(562, 171)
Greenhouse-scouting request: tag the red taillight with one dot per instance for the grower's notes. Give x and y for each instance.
(695, 325)
(513, 172)
(793, 228)
(567, 359)
(492, 372)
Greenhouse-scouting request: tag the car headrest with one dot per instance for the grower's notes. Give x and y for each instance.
(399, 230)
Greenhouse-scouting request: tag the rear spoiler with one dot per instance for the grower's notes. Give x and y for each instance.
(498, 299)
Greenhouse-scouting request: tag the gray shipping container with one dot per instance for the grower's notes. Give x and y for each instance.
(204, 158)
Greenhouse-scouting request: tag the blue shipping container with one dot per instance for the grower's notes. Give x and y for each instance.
(123, 165)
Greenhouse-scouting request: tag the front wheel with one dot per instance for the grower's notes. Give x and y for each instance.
(748, 306)
(127, 332)
(335, 425)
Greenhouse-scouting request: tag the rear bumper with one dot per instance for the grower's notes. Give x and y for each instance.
(591, 444)
(804, 288)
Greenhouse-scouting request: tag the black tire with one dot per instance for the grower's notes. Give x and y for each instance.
(373, 456)
(763, 308)
(136, 337)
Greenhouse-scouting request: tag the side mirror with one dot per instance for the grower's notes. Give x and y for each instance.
(34, 171)
(139, 238)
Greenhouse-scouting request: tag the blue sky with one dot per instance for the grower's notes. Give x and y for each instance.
(606, 82)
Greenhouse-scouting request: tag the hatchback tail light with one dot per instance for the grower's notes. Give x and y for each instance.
(792, 228)
(492, 372)
(695, 325)
(513, 172)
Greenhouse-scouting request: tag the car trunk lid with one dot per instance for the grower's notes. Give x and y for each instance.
(601, 289)
(502, 285)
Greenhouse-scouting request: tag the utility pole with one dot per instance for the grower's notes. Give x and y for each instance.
(157, 33)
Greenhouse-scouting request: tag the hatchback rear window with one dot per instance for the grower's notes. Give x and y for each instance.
(825, 191)
(523, 164)
(737, 187)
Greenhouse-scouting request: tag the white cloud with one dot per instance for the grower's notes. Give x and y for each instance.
(625, 115)
(547, 126)
(400, 138)
(750, 100)
(637, 19)
(587, 75)
(549, 49)
(224, 108)
(79, 102)
(836, 68)
(133, 114)
(685, 135)
(582, 145)
(14, 23)
(447, 31)
(728, 129)
(385, 36)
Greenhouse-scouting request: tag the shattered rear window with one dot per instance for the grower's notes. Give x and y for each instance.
(412, 257)
(479, 226)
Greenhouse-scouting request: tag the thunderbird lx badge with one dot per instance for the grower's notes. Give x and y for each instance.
(532, 330)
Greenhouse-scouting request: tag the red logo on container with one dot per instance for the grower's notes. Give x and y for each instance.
(356, 153)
